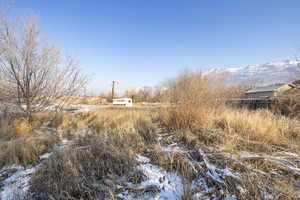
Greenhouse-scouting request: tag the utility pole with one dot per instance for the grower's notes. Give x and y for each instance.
(113, 89)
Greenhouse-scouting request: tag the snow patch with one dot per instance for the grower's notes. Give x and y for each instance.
(169, 184)
(17, 184)
(142, 159)
(46, 155)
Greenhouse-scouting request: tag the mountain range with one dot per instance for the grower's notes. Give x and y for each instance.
(268, 73)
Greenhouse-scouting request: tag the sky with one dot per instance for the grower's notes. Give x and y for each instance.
(144, 42)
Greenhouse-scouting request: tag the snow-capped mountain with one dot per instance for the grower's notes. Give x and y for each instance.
(268, 73)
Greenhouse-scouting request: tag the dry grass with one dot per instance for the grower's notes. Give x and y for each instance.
(187, 195)
(114, 136)
(259, 125)
(286, 190)
(12, 128)
(176, 118)
(232, 129)
(127, 128)
(226, 129)
(175, 161)
(201, 117)
(19, 143)
(79, 100)
(15, 126)
(107, 150)
(65, 120)
(106, 120)
(24, 151)
(80, 174)
(23, 128)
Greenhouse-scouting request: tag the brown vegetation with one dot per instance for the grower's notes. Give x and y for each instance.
(107, 150)
(101, 159)
(24, 151)
(20, 144)
(233, 129)
(81, 173)
(199, 117)
(200, 123)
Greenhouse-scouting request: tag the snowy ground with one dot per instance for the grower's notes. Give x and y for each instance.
(16, 183)
(166, 185)
(15, 179)
(170, 185)
(213, 181)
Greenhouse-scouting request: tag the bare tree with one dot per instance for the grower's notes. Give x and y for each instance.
(34, 75)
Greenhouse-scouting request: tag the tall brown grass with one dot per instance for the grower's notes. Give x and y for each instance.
(24, 151)
(201, 116)
(233, 129)
(184, 117)
(19, 143)
(80, 174)
(16, 126)
(259, 125)
(108, 150)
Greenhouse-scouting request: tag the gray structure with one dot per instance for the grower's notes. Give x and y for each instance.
(267, 91)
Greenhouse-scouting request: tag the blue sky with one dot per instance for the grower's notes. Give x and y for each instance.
(143, 42)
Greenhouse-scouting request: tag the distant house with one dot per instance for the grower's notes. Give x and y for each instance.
(122, 101)
(268, 91)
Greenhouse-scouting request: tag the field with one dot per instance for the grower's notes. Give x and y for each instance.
(151, 152)
(91, 107)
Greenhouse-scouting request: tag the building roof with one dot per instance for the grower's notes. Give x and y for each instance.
(122, 98)
(269, 88)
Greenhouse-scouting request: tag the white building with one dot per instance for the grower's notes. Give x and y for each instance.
(123, 101)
